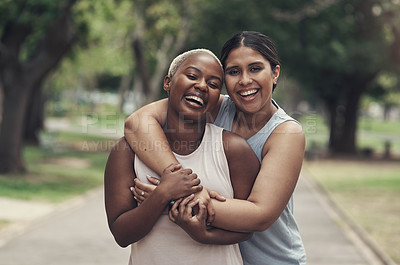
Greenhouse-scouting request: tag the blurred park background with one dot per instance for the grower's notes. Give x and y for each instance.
(71, 71)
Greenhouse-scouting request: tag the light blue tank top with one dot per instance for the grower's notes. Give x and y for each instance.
(281, 243)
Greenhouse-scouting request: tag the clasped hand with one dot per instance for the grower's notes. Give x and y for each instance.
(183, 186)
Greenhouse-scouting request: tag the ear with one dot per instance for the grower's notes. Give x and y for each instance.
(167, 84)
(276, 71)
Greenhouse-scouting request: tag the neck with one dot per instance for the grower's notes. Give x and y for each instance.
(248, 124)
(184, 136)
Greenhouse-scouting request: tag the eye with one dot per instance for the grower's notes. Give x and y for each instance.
(191, 76)
(213, 85)
(233, 72)
(255, 69)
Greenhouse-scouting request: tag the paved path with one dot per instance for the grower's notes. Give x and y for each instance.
(78, 234)
(328, 239)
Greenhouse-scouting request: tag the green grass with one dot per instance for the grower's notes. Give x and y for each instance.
(371, 133)
(68, 137)
(368, 192)
(55, 176)
(379, 126)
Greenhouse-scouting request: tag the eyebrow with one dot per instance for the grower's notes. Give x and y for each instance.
(250, 64)
(198, 70)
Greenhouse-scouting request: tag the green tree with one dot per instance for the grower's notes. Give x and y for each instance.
(35, 35)
(338, 53)
(161, 31)
(106, 51)
(335, 49)
(386, 91)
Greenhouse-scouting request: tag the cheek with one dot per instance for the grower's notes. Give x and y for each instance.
(230, 82)
(173, 96)
(214, 96)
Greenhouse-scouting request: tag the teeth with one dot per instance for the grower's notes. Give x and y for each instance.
(196, 99)
(249, 92)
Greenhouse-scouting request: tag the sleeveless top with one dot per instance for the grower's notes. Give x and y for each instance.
(280, 243)
(167, 243)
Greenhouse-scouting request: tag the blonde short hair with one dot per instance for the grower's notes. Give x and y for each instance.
(182, 57)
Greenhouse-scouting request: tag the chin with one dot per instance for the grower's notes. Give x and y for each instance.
(249, 108)
(193, 118)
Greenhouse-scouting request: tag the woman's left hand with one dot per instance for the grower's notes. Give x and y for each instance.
(181, 213)
(142, 190)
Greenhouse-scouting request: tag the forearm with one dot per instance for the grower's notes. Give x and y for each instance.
(222, 237)
(136, 223)
(242, 216)
(143, 131)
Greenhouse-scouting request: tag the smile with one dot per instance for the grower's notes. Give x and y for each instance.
(196, 100)
(248, 92)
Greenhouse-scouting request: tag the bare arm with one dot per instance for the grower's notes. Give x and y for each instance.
(125, 218)
(280, 168)
(143, 131)
(195, 225)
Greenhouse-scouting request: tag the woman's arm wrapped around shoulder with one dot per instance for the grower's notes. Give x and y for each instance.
(282, 158)
(143, 132)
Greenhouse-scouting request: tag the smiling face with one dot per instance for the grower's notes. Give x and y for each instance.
(195, 87)
(249, 80)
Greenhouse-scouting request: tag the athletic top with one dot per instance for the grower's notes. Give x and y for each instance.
(280, 243)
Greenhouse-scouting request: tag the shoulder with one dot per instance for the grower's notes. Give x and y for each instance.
(288, 135)
(120, 162)
(289, 131)
(233, 142)
(289, 127)
(243, 164)
(236, 148)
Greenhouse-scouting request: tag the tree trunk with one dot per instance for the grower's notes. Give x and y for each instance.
(14, 108)
(1, 103)
(34, 117)
(18, 80)
(169, 47)
(123, 88)
(141, 61)
(344, 115)
(348, 144)
(333, 132)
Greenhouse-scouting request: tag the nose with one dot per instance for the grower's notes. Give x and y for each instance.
(202, 84)
(245, 79)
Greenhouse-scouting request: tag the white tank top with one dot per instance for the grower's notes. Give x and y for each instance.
(167, 243)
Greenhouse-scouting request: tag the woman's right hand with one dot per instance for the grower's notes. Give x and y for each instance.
(178, 182)
(175, 181)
